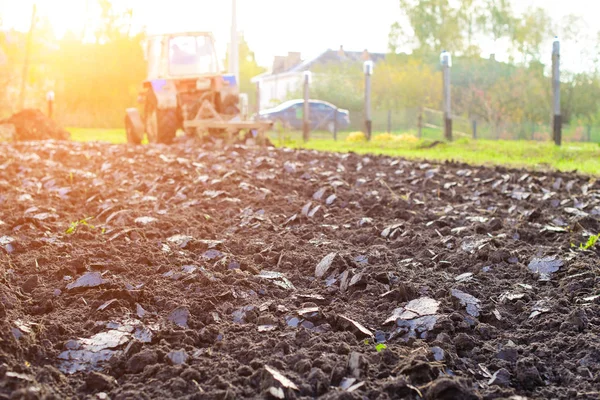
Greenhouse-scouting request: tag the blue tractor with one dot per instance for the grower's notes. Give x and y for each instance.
(185, 89)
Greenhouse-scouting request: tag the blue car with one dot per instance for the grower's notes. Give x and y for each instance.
(321, 114)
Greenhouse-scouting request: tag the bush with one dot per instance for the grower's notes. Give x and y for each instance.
(463, 140)
(384, 137)
(389, 138)
(356, 137)
(406, 138)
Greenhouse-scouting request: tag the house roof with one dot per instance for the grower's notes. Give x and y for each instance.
(328, 56)
(337, 56)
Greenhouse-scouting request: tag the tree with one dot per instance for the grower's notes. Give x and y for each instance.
(249, 68)
(13, 46)
(460, 26)
(93, 96)
(394, 38)
(435, 24)
(498, 19)
(580, 97)
(473, 16)
(115, 24)
(472, 76)
(97, 97)
(405, 82)
(531, 30)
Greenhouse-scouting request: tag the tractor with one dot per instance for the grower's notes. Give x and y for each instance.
(186, 89)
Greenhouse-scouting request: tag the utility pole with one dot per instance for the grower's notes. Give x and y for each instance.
(306, 107)
(557, 120)
(234, 65)
(25, 72)
(446, 60)
(368, 70)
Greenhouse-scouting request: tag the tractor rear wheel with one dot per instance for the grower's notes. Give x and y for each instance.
(161, 125)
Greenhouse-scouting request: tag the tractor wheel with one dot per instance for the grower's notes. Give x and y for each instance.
(161, 125)
(133, 136)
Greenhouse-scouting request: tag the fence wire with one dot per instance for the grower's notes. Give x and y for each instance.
(428, 123)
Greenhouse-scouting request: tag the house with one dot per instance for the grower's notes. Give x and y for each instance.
(287, 72)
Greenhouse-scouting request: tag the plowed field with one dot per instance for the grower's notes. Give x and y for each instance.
(190, 271)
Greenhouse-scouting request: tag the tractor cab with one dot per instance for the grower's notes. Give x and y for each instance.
(180, 56)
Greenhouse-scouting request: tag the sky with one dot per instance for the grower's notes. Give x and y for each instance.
(271, 27)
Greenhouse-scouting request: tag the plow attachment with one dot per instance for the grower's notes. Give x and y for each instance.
(218, 123)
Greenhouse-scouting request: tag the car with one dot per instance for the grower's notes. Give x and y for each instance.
(321, 114)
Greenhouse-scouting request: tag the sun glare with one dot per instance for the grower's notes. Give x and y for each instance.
(65, 15)
(76, 16)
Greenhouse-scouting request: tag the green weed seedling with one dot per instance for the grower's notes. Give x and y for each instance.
(73, 227)
(380, 347)
(590, 243)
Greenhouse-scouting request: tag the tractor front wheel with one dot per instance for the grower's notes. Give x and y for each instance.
(133, 127)
(161, 125)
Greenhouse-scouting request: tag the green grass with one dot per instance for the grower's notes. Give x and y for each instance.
(101, 135)
(571, 156)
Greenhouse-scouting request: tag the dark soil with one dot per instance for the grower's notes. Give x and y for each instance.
(100, 299)
(32, 124)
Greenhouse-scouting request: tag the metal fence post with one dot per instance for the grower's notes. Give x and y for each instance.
(50, 100)
(446, 60)
(368, 70)
(335, 123)
(389, 125)
(589, 133)
(306, 108)
(557, 121)
(420, 123)
(257, 98)
(474, 129)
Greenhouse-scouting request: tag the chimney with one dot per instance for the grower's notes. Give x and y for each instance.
(293, 58)
(278, 64)
(365, 55)
(492, 57)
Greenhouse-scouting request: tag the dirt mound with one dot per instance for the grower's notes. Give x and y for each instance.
(32, 124)
(192, 271)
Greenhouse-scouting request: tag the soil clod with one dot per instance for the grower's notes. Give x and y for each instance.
(545, 267)
(32, 124)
